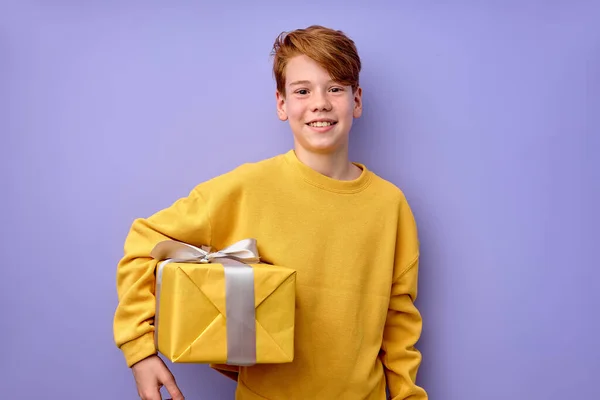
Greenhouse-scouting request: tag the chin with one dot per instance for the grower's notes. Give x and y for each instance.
(322, 148)
(322, 145)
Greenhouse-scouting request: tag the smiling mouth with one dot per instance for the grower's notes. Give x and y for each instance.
(321, 124)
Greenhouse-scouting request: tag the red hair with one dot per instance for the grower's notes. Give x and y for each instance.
(331, 49)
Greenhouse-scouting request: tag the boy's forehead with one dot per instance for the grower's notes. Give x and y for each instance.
(303, 70)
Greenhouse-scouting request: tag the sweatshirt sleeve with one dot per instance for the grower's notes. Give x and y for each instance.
(186, 220)
(403, 325)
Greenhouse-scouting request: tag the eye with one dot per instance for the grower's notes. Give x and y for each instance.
(302, 91)
(337, 89)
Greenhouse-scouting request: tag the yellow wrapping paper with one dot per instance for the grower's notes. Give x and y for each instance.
(191, 323)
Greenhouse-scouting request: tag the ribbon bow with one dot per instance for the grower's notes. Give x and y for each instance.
(239, 290)
(170, 250)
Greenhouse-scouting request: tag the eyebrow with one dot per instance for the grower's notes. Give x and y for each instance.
(305, 82)
(300, 83)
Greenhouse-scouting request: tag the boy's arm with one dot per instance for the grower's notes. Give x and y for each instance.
(403, 325)
(187, 220)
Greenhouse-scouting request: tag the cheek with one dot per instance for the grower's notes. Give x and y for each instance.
(295, 110)
(344, 107)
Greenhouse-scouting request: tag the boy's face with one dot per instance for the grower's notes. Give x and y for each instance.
(320, 111)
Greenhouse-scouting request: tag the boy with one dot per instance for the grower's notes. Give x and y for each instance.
(348, 233)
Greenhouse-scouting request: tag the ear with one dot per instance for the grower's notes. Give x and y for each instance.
(281, 106)
(357, 103)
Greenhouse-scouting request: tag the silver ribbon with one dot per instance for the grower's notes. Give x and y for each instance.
(239, 290)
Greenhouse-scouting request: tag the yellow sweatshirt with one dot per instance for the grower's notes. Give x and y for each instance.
(355, 248)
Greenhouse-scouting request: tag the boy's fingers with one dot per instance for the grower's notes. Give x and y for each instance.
(151, 395)
(172, 388)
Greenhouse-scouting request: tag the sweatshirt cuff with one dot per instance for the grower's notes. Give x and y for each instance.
(138, 349)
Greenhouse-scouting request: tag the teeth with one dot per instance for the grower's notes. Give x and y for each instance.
(320, 124)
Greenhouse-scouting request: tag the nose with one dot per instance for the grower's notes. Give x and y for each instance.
(321, 102)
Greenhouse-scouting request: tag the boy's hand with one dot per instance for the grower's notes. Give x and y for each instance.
(150, 375)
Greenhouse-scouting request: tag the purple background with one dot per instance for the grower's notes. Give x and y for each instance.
(487, 115)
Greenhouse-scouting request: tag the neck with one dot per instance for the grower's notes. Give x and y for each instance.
(335, 165)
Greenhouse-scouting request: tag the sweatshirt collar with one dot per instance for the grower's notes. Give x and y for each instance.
(324, 182)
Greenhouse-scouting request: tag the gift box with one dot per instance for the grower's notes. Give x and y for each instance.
(223, 308)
